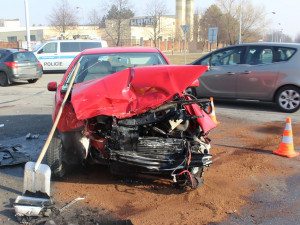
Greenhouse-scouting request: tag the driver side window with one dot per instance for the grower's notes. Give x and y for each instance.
(232, 56)
(49, 48)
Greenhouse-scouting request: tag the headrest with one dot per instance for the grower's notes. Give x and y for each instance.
(100, 67)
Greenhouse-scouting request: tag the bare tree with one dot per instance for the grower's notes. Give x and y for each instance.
(213, 17)
(116, 19)
(95, 18)
(63, 16)
(252, 19)
(155, 9)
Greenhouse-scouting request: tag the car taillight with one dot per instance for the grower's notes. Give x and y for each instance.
(40, 64)
(12, 65)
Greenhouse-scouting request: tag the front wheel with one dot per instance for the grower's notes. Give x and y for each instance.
(288, 99)
(56, 156)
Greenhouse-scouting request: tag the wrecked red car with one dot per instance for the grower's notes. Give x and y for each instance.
(129, 110)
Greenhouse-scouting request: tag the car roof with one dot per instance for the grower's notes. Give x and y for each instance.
(9, 50)
(77, 40)
(119, 50)
(276, 44)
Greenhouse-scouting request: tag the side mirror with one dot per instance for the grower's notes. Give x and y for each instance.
(52, 86)
(195, 83)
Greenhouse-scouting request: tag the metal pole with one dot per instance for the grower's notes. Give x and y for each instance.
(240, 33)
(185, 48)
(27, 25)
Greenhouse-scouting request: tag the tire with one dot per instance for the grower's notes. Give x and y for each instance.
(3, 79)
(56, 156)
(191, 91)
(31, 81)
(288, 99)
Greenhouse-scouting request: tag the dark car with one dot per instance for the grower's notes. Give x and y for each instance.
(17, 66)
(256, 71)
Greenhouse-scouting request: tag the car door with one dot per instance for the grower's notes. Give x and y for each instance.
(220, 80)
(258, 77)
(48, 56)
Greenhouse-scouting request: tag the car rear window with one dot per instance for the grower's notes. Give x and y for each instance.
(24, 57)
(283, 54)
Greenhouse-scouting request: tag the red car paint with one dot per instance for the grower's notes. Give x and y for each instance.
(125, 93)
(132, 91)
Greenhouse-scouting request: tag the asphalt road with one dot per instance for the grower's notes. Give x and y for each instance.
(26, 108)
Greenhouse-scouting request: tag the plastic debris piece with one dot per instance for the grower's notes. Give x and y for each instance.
(30, 136)
(12, 155)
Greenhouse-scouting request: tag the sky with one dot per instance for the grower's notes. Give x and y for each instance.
(286, 18)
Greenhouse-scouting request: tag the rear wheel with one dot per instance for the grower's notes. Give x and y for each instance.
(288, 99)
(31, 81)
(3, 79)
(56, 156)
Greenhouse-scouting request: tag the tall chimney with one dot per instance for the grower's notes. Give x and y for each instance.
(190, 15)
(180, 17)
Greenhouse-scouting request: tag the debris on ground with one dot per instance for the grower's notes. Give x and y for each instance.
(30, 136)
(1, 125)
(70, 203)
(12, 155)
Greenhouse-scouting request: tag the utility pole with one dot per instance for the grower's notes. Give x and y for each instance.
(240, 33)
(27, 25)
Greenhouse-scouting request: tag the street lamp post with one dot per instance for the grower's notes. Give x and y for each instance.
(82, 14)
(263, 37)
(240, 32)
(27, 25)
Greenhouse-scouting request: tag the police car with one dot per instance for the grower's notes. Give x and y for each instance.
(58, 55)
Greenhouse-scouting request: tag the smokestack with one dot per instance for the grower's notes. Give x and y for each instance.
(180, 12)
(189, 12)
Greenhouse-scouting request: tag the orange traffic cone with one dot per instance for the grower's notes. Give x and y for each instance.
(286, 147)
(212, 115)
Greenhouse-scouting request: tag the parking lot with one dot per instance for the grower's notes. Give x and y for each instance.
(246, 184)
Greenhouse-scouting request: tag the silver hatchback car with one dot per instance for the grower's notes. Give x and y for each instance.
(17, 66)
(256, 71)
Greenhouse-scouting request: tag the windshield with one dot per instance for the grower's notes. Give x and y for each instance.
(100, 65)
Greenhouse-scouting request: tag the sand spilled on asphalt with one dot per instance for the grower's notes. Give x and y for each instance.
(242, 158)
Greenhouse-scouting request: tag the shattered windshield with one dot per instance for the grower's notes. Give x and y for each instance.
(100, 65)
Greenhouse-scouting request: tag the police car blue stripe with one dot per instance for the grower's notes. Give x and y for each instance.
(67, 56)
(48, 57)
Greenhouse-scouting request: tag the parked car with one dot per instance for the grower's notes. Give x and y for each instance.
(256, 71)
(128, 109)
(17, 66)
(58, 55)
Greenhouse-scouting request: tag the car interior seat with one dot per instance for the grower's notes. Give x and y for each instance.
(276, 56)
(99, 69)
(255, 58)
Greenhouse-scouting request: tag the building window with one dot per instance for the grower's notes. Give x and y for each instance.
(32, 38)
(12, 39)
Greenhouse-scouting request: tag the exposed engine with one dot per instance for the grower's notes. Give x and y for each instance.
(165, 140)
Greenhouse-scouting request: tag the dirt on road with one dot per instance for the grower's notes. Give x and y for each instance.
(242, 160)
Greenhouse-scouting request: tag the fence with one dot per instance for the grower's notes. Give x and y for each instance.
(14, 44)
(165, 46)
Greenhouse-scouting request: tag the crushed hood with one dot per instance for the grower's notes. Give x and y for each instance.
(132, 91)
